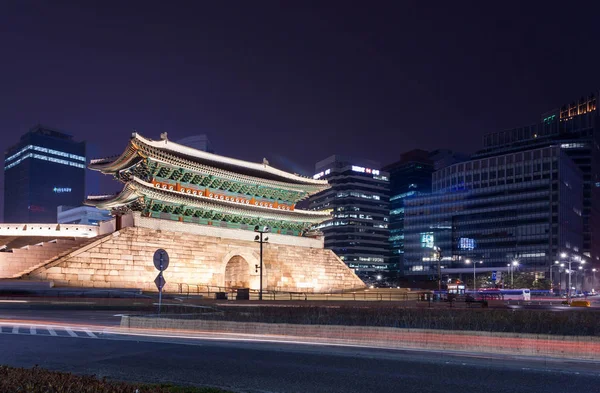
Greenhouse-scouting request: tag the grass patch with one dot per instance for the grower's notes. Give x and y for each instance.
(38, 380)
(568, 323)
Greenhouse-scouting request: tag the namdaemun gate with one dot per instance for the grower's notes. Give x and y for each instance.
(202, 209)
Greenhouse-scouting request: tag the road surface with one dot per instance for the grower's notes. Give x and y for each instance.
(249, 365)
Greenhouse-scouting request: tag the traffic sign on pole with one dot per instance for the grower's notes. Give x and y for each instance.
(160, 282)
(494, 275)
(161, 259)
(161, 262)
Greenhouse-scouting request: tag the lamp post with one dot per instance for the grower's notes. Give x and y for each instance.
(259, 239)
(438, 252)
(560, 278)
(513, 265)
(564, 255)
(552, 281)
(594, 278)
(468, 261)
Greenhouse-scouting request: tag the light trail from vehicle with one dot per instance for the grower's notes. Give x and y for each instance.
(400, 339)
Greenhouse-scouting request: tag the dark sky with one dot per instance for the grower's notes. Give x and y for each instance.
(293, 81)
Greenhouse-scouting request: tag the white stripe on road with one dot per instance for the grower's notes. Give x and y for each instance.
(15, 330)
(71, 332)
(90, 333)
(51, 331)
(32, 330)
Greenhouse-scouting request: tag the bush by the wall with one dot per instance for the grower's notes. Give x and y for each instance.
(571, 322)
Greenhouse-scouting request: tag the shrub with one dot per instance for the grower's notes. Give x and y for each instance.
(37, 380)
(572, 323)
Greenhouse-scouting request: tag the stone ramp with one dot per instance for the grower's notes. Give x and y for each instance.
(17, 262)
(8, 243)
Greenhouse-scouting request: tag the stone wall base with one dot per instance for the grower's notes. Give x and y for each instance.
(124, 260)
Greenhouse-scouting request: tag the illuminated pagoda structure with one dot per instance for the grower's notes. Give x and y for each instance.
(171, 181)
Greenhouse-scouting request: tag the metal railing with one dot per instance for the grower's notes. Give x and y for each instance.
(211, 291)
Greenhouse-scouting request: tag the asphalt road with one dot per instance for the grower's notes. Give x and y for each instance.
(275, 367)
(92, 317)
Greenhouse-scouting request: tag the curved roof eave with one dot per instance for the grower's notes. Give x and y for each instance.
(295, 215)
(137, 188)
(188, 151)
(126, 196)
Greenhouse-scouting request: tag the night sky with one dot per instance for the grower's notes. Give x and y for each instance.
(293, 83)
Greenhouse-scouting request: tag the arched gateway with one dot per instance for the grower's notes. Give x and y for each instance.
(237, 273)
(240, 271)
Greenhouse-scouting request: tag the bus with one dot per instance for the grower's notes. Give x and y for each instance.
(506, 294)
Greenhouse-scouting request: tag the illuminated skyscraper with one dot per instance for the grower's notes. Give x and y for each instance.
(575, 128)
(359, 200)
(45, 169)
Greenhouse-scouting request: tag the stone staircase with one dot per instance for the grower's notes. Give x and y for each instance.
(21, 261)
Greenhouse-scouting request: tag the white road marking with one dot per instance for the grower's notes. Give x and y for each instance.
(89, 333)
(51, 331)
(15, 330)
(32, 330)
(71, 332)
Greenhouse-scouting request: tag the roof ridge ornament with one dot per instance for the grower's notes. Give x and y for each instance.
(163, 136)
(265, 162)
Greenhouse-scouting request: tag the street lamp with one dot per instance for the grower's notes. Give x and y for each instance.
(438, 252)
(594, 280)
(259, 239)
(570, 259)
(560, 278)
(552, 281)
(474, 279)
(512, 266)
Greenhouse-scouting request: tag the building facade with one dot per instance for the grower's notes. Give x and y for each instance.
(410, 176)
(44, 170)
(359, 199)
(575, 127)
(523, 206)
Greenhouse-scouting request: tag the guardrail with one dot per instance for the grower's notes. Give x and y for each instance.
(210, 291)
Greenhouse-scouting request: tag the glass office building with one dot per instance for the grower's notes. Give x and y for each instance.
(410, 176)
(359, 201)
(575, 127)
(525, 206)
(44, 170)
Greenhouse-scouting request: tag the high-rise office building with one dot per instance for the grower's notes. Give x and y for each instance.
(525, 206)
(44, 170)
(411, 176)
(574, 127)
(359, 199)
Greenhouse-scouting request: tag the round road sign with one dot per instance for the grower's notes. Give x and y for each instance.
(161, 259)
